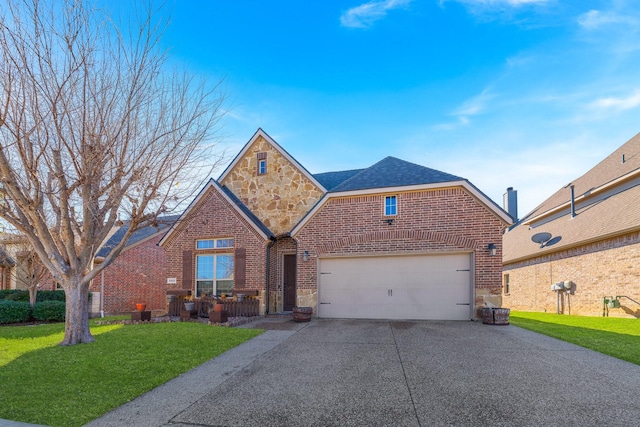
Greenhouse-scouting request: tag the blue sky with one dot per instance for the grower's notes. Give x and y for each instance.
(506, 93)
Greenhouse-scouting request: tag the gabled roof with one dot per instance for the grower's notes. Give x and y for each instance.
(391, 175)
(393, 172)
(260, 133)
(162, 224)
(232, 200)
(606, 201)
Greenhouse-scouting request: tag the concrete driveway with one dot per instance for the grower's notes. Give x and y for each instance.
(391, 373)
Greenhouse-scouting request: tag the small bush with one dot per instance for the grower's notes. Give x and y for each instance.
(50, 296)
(14, 295)
(49, 311)
(14, 311)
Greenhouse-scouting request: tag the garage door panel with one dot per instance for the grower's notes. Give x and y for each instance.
(407, 287)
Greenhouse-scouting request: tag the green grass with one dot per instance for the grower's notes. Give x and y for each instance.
(44, 383)
(616, 337)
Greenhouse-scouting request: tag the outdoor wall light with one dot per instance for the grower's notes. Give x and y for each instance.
(305, 256)
(492, 249)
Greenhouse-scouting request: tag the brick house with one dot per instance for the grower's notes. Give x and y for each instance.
(137, 275)
(396, 240)
(585, 247)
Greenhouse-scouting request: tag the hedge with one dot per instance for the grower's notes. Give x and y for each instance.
(14, 311)
(50, 296)
(14, 295)
(49, 311)
(23, 295)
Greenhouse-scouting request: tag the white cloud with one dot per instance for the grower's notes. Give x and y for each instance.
(514, 3)
(474, 105)
(595, 19)
(366, 14)
(619, 103)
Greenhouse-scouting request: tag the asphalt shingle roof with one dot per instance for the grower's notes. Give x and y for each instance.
(330, 180)
(162, 223)
(598, 216)
(393, 172)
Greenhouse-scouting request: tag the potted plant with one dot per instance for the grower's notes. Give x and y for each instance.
(189, 304)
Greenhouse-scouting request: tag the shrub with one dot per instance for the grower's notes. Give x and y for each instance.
(50, 311)
(14, 311)
(15, 295)
(50, 296)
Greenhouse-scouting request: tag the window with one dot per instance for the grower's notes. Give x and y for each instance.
(262, 167)
(262, 163)
(390, 206)
(214, 243)
(506, 283)
(214, 274)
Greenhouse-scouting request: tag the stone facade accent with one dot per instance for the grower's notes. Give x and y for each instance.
(428, 221)
(281, 196)
(602, 269)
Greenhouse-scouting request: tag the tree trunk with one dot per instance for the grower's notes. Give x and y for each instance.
(76, 330)
(33, 292)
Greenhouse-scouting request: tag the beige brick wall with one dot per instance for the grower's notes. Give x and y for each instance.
(601, 269)
(281, 197)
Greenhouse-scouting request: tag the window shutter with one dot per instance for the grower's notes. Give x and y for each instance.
(187, 270)
(240, 279)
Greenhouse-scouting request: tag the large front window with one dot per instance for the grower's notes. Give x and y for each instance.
(214, 274)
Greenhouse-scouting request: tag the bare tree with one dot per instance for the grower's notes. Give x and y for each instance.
(93, 129)
(30, 272)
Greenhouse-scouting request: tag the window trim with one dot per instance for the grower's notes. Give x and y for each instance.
(390, 209)
(262, 167)
(506, 283)
(216, 243)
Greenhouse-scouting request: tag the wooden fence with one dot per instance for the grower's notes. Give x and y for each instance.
(247, 308)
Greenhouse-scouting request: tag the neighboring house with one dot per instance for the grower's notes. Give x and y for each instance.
(137, 275)
(582, 245)
(395, 240)
(19, 265)
(6, 264)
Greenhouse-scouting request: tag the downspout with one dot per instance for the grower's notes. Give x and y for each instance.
(268, 257)
(102, 294)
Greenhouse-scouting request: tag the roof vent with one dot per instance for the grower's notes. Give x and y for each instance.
(623, 158)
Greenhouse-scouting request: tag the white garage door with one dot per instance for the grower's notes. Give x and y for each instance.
(396, 287)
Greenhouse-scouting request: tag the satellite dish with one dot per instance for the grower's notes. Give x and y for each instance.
(541, 238)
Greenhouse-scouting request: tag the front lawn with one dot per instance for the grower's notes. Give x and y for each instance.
(44, 383)
(609, 335)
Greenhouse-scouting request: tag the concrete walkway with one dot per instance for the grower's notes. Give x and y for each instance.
(381, 373)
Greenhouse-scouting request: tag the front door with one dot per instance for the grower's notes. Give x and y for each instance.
(289, 283)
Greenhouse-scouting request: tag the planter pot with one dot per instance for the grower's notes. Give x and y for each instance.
(189, 306)
(218, 308)
(240, 297)
(487, 316)
(141, 307)
(302, 314)
(495, 316)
